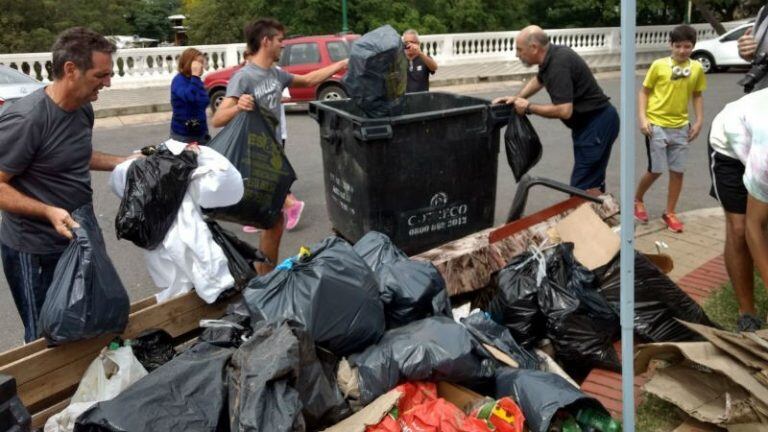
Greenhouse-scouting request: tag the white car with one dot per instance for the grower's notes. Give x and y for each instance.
(15, 85)
(721, 52)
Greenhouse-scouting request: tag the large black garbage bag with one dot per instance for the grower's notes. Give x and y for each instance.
(154, 189)
(86, 298)
(410, 289)
(487, 331)
(277, 383)
(658, 301)
(249, 143)
(516, 306)
(189, 393)
(540, 395)
(378, 73)
(523, 145)
(240, 255)
(332, 292)
(579, 339)
(377, 250)
(153, 348)
(432, 349)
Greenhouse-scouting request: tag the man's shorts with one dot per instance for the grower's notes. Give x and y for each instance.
(727, 176)
(667, 149)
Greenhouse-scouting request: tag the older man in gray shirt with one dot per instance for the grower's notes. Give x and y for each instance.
(46, 156)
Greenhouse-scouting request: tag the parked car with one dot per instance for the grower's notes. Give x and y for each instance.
(14, 85)
(721, 52)
(301, 55)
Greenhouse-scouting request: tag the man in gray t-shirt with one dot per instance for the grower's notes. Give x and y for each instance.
(260, 83)
(45, 161)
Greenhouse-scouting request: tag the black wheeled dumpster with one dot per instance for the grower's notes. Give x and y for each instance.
(423, 178)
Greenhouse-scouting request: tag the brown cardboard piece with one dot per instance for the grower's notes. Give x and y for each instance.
(706, 396)
(703, 354)
(732, 344)
(595, 244)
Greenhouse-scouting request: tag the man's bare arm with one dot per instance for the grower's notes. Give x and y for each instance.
(314, 78)
(105, 162)
(13, 201)
(757, 238)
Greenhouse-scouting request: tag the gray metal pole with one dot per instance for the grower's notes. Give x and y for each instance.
(627, 136)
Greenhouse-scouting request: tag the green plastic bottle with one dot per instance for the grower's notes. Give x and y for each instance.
(589, 417)
(570, 425)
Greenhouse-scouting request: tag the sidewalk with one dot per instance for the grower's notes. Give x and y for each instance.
(699, 270)
(122, 102)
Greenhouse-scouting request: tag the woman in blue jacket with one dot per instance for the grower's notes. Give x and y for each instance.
(189, 99)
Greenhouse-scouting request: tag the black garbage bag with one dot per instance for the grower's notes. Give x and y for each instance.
(377, 250)
(432, 349)
(410, 289)
(240, 255)
(277, 383)
(332, 292)
(523, 145)
(229, 331)
(487, 331)
(154, 189)
(189, 393)
(153, 348)
(541, 394)
(249, 143)
(516, 306)
(378, 73)
(86, 298)
(658, 301)
(579, 339)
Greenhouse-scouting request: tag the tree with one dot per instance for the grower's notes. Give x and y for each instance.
(149, 18)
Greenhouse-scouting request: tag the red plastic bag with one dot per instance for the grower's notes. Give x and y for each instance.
(420, 410)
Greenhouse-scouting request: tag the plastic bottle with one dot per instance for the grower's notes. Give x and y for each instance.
(589, 417)
(570, 425)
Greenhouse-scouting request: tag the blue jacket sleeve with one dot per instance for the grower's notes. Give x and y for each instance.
(190, 90)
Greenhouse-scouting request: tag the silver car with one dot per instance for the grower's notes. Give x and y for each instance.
(14, 85)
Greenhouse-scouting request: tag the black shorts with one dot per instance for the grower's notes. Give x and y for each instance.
(727, 176)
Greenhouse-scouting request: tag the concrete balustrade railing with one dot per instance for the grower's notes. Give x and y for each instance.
(139, 67)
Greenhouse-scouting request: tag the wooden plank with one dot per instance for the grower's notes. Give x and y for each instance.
(468, 264)
(58, 369)
(48, 359)
(39, 418)
(26, 350)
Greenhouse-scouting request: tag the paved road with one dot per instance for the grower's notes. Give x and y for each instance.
(304, 151)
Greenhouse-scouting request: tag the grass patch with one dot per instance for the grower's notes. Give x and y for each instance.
(657, 415)
(722, 308)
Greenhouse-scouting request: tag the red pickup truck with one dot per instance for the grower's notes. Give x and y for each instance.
(300, 55)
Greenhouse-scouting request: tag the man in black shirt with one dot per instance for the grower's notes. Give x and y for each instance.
(577, 100)
(420, 65)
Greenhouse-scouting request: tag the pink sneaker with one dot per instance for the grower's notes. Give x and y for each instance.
(293, 215)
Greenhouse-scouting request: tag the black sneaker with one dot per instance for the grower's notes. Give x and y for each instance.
(749, 323)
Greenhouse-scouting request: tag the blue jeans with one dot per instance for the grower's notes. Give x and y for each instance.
(28, 276)
(592, 146)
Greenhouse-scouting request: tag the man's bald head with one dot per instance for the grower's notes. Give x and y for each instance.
(531, 45)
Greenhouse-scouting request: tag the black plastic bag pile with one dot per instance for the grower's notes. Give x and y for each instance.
(189, 393)
(332, 292)
(86, 298)
(487, 331)
(249, 143)
(240, 255)
(658, 302)
(559, 302)
(154, 189)
(278, 384)
(410, 289)
(523, 145)
(378, 73)
(431, 349)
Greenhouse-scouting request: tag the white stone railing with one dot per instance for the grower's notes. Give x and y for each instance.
(156, 66)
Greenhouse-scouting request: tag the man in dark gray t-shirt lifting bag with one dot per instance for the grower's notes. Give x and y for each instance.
(45, 160)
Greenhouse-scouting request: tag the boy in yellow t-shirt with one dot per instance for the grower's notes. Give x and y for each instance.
(669, 85)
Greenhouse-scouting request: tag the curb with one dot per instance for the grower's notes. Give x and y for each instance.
(447, 82)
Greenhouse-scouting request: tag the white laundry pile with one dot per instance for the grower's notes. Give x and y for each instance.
(189, 257)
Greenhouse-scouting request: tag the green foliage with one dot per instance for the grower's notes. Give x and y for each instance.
(149, 18)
